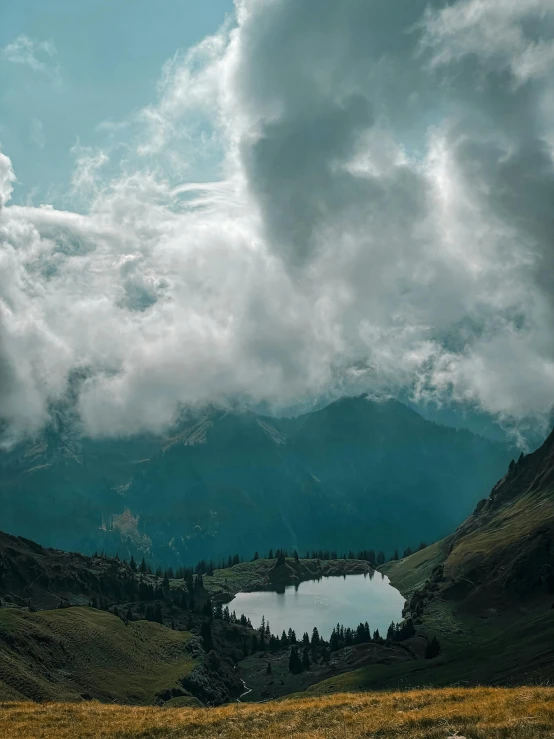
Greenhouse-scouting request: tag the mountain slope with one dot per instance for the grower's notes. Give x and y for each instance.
(503, 554)
(356, 474)
(486, 590)
(75, 653)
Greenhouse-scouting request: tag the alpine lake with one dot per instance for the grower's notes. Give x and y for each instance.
(348, 600)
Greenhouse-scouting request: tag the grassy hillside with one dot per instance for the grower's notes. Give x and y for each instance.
(483, 713)
(410, 574)
(71, 653)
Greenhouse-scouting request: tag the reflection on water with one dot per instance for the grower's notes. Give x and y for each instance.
(348, 600)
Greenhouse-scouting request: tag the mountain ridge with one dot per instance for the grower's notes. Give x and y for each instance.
(227, 480)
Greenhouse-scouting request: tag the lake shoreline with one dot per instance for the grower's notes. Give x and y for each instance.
(266, 574)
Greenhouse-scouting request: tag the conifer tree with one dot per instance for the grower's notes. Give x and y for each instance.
(206, 634)
(433, 648)
(295, 663)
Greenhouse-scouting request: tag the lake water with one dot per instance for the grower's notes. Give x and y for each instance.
(324, 603)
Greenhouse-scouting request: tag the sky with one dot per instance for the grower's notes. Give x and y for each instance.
(274, 202)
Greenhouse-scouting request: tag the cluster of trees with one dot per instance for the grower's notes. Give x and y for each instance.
(345, 637)
(367, 555)
(207, 567)
(298, 664)
(407, 552)
(401, 632)
(223, 614)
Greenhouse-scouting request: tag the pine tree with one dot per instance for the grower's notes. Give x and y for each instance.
(133, 564)
(315, 637)
(206, 634)
(433, 648)
(129, 614)
(306, 659)
(268, 669)
(295, 663)
(143, 567)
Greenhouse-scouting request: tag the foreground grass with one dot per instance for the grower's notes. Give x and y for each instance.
(478, 713)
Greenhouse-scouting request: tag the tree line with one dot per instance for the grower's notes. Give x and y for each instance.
(208, 567)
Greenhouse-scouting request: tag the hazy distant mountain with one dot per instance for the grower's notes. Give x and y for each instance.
(356, 474)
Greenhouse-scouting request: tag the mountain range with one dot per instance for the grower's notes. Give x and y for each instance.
(358, 473)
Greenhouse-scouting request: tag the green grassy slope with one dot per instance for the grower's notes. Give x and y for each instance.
(512, 652)
(410, 574)
(74, 652)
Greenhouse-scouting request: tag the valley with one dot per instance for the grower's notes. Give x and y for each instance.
(472, 608)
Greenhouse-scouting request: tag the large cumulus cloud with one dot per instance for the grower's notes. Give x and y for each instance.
(379, 217)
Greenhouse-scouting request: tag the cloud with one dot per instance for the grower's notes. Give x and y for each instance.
(38, 56)
(7, 178)
(378, 218)
(502, 34)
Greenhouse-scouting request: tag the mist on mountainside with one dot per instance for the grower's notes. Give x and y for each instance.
(358, 473)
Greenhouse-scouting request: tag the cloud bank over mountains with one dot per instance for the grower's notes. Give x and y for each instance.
(324, 198)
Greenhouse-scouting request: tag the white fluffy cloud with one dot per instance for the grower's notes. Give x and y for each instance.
(381, 219)
(38, 56)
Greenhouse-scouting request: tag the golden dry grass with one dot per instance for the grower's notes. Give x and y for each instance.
(478, 713)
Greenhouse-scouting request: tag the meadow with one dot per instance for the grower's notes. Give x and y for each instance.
(473, 713)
